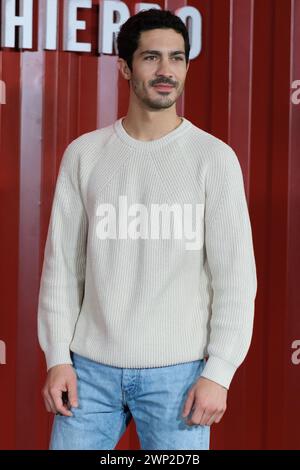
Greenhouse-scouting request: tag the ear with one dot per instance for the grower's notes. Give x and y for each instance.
(123, 68)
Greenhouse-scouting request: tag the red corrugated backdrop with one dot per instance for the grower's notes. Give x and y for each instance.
(239, 89)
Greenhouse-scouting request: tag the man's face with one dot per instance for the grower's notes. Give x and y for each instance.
(159, 68)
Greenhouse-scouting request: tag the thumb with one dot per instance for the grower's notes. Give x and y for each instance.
(188, 404)
(72, 392)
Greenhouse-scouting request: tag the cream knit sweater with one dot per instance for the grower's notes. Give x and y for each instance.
(149, 256)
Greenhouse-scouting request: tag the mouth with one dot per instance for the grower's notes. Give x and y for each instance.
(163, 87)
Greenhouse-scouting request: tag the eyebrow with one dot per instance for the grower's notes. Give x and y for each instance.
(154, 52)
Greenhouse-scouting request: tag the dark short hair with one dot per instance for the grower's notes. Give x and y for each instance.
(130, 31)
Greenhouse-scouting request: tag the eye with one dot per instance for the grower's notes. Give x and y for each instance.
(154, 57)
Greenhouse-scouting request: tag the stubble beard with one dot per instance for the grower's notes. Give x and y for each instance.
(163, 102)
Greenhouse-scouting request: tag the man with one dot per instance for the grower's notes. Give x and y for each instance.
(130, 305)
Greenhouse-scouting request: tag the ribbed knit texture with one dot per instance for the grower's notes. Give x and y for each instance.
(148, 302)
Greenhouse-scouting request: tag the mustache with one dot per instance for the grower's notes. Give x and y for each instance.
(164, 81)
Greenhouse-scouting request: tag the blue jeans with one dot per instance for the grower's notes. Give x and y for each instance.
(109, 397)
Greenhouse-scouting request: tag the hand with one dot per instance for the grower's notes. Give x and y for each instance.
(60, 378)
(209, 399)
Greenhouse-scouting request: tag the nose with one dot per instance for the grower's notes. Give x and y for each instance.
(163, 68)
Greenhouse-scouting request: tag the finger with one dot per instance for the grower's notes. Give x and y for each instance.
(72, 393)
(49, 404)
(206, 417)
(56, 396)
(188, 405)
(219, 417)
(212, 419)
(196, 416)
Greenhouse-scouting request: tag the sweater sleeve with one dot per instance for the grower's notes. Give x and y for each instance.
(63, 272)
(230, 256)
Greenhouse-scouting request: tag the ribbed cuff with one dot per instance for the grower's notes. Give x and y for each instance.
(58, 353)
(219, 371)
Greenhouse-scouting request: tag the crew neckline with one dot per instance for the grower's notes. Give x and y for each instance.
(150, 144)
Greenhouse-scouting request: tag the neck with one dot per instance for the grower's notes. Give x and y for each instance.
(150, 125)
